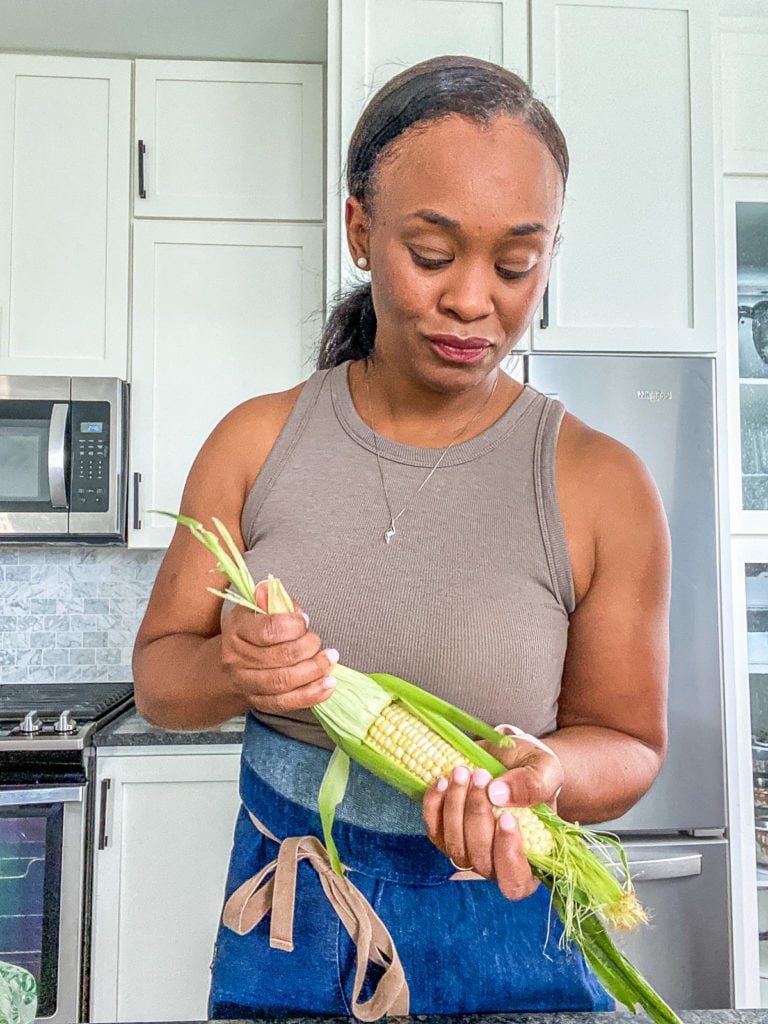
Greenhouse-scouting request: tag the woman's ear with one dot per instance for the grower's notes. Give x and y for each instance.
(358, 224)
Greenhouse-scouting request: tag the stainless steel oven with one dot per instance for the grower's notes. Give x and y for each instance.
(63, 458)
(41, 892)
(47, 815)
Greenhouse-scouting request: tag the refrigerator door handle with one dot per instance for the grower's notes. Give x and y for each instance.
(658, 868)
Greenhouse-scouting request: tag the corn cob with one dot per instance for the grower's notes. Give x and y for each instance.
(410, 738)
(398, 733)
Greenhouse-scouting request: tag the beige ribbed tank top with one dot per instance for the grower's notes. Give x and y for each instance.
(472, 597)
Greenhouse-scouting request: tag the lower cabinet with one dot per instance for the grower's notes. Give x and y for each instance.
(165, 820)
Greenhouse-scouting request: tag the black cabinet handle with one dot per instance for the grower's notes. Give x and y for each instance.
(544, 322)
(103, 836)
(136, 516)
(142, 151)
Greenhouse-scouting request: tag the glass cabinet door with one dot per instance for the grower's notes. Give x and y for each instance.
(752, 293)
(756, 587)
(747, 332)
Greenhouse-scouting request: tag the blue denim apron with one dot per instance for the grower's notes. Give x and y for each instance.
(464, 948)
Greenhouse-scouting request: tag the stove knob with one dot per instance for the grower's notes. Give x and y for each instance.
(65, 723)
(31, 724)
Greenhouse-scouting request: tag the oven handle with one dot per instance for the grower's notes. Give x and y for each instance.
(56, 450)
(55, 795)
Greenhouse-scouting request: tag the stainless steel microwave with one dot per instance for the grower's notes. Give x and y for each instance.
(63, 459)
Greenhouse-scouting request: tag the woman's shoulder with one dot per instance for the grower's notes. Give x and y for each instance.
(600, 465)
(609, 502)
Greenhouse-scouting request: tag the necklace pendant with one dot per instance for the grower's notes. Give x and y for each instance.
(390, 533)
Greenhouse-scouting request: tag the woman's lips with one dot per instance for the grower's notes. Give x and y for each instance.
(459, 350)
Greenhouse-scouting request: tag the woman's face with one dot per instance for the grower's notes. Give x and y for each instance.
(460, 237)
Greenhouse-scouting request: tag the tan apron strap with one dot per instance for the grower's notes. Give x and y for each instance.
(274, 888)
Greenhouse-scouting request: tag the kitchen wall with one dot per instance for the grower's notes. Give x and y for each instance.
(70, 613)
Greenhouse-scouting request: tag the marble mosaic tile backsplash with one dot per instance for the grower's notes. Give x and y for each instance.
(71, 613)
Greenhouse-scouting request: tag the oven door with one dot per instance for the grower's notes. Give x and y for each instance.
(34, 455)
(41, 892)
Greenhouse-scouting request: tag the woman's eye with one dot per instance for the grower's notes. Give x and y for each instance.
(512, 275)
(429, 262)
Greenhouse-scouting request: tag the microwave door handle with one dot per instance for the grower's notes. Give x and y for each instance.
(56, 449)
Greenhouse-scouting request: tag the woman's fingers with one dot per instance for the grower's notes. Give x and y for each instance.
(479, 824)
(275, 661)
(465, 824)
(512, 870)
(454, 802)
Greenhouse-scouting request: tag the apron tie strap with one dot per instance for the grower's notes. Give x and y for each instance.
(274, 888)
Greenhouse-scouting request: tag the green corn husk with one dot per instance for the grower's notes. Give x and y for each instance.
(582, 867)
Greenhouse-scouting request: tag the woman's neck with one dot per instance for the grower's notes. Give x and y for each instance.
(404, 410)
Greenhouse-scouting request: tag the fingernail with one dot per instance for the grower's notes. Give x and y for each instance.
(329, 682)
(442, 784)
(461, 775)
(306, 618)
(507, 822)
(498, 793)
(332, 655)
(481, 777)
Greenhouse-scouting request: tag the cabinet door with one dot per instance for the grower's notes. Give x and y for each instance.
(64, 195)
(229, 140)
(746, 335)
(160, 867)
(744, 50)
(630, 82)
(370, 41)
(747, 708)
(221, 312)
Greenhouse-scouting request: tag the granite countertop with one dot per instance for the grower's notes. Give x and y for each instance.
(131, 730)
(687, 1016)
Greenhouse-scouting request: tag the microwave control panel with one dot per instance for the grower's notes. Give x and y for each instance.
(90, 457)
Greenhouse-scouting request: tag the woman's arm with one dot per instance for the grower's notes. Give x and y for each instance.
(612, 732)
(189, 670)
(611, 735)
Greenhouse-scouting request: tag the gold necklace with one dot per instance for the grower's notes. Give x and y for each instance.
(391, 530)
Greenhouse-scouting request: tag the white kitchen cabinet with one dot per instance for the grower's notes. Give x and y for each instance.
(744, 62)
(229, 140)
(221, 312)
(160, 866)
(630, 82)
(64, 215)
(370, 41)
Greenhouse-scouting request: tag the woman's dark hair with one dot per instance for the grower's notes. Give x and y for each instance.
(425, 92)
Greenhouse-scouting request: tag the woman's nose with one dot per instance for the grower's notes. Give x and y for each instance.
(467, 293)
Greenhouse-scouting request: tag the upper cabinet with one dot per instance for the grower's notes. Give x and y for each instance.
(744, 61)
(222, 311)
(746, 250)
(370, 41)
(64, 202)
(229, 140)
(630, 82)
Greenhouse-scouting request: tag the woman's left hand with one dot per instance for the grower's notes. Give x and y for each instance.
(461, 814)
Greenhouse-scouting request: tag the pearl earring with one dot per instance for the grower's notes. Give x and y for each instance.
(362, 262)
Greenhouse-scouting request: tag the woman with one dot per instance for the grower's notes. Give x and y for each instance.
(439, 521)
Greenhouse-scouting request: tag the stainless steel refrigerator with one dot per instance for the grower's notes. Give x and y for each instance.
(663, 408)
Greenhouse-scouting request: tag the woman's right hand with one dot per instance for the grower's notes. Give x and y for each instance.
(275, 662)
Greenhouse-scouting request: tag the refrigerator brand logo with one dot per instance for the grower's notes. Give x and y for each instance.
(655, 396)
